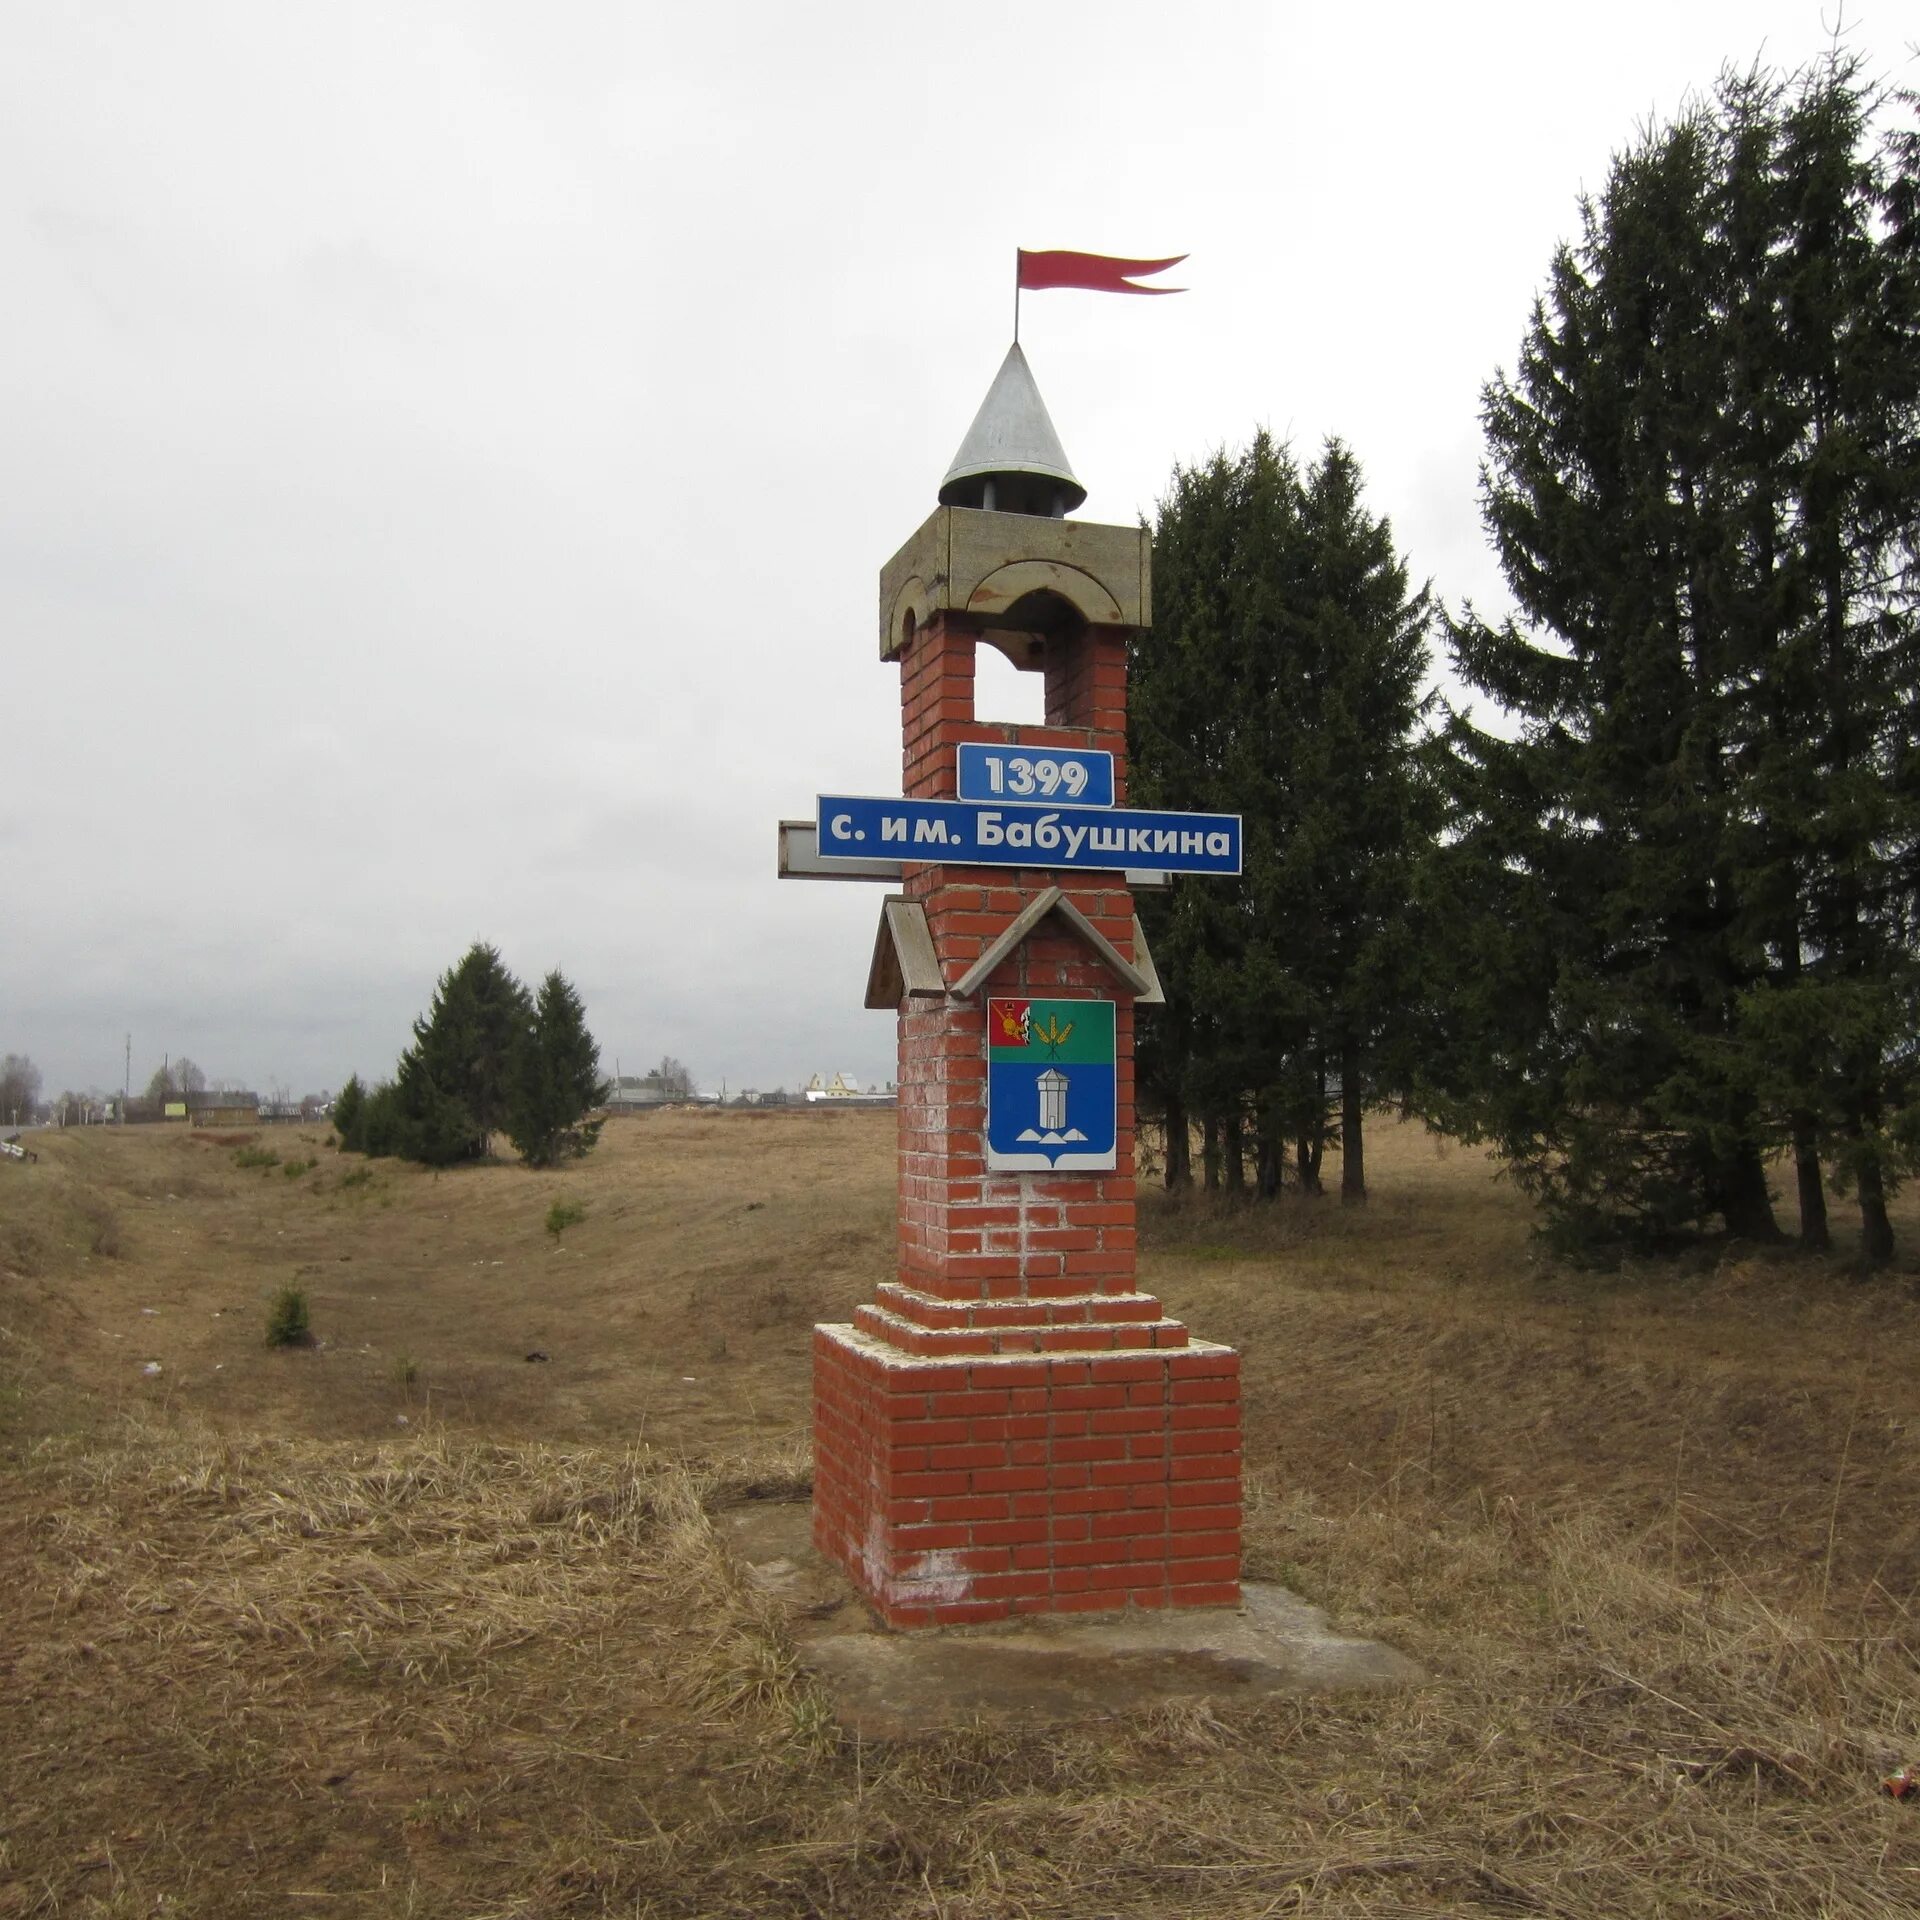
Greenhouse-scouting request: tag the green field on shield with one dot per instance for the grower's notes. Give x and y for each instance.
(1090, 1042)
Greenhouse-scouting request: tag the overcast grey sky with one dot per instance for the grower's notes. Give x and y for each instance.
(447, 448)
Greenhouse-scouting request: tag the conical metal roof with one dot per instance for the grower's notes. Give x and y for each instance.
(1012, 459)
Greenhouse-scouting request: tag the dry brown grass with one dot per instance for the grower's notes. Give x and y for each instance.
(267, 1652)
(272, 1670)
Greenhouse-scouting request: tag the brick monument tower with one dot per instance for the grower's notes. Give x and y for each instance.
(1013, 1426)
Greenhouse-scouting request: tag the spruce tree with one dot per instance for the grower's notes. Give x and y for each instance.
(556, 1082)
(1610, 805)
(453, 1085)
(1848, 377)
(1282, 680)
(435, 1125)
(383, 1127)
(349, 1115)
(1220, 542)
(1686, 839)
(1366, 806)
(471, 1035)
(1779, 766)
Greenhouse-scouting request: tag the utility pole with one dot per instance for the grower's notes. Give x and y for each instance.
(126, 1085)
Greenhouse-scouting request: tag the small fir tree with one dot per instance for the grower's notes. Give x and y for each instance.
(557, 1082)
(382, 1125)
(289, 1323)
(435, 1126)
(349, 1115)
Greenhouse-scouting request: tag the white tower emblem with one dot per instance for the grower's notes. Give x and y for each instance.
(1053, 1101)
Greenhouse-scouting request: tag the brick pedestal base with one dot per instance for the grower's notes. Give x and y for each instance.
(969, 1487)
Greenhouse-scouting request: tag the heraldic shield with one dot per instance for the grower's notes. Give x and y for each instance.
(1050, 1086)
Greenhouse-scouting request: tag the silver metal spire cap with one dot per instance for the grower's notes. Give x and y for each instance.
(1011, 460)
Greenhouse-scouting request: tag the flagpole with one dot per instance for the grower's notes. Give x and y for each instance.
(1016, 296)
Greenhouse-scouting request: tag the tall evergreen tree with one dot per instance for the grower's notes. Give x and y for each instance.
(1282, 680)
(1692, 841)
(1220, 546)
(1779, 767)
(1846, 299)
(472, 1034)
(1366, 805)
(455, 1082)
(557, 1081)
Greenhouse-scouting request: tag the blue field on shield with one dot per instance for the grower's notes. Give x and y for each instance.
(1075, 1134)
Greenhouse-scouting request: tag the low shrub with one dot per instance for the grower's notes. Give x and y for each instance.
(564, 1214)
(288, 1322)
(250, 1157)
(102, 1227)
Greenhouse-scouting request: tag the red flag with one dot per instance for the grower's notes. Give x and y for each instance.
(1096, 272)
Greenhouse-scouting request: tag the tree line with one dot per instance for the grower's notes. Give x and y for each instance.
(21, 1082)
(19, 1089)
(1649, 922)
(487, 1057)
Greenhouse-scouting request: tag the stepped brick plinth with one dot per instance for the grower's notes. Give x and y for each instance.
(971, 1487)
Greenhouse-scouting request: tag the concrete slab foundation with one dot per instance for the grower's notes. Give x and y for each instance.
(1046, 1669)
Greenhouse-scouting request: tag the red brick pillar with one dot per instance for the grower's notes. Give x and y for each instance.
(1013, 1426)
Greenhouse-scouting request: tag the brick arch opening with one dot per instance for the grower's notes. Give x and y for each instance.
(1004, 694)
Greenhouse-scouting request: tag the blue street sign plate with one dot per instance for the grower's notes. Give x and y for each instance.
(1052, 1104)
(1079, 776)
(966, 833)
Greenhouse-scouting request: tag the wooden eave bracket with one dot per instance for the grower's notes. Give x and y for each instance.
(905, 966)
(1144, 982)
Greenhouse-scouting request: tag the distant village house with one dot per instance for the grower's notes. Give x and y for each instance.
(637, 1092)
(844, 1090)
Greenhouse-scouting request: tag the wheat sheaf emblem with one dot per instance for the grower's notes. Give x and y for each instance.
(1053, 1036)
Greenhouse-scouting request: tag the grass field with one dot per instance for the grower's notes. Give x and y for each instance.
(407, 1622)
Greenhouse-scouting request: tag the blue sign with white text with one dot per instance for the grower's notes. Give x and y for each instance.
(967, 833)
(1081, 776)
